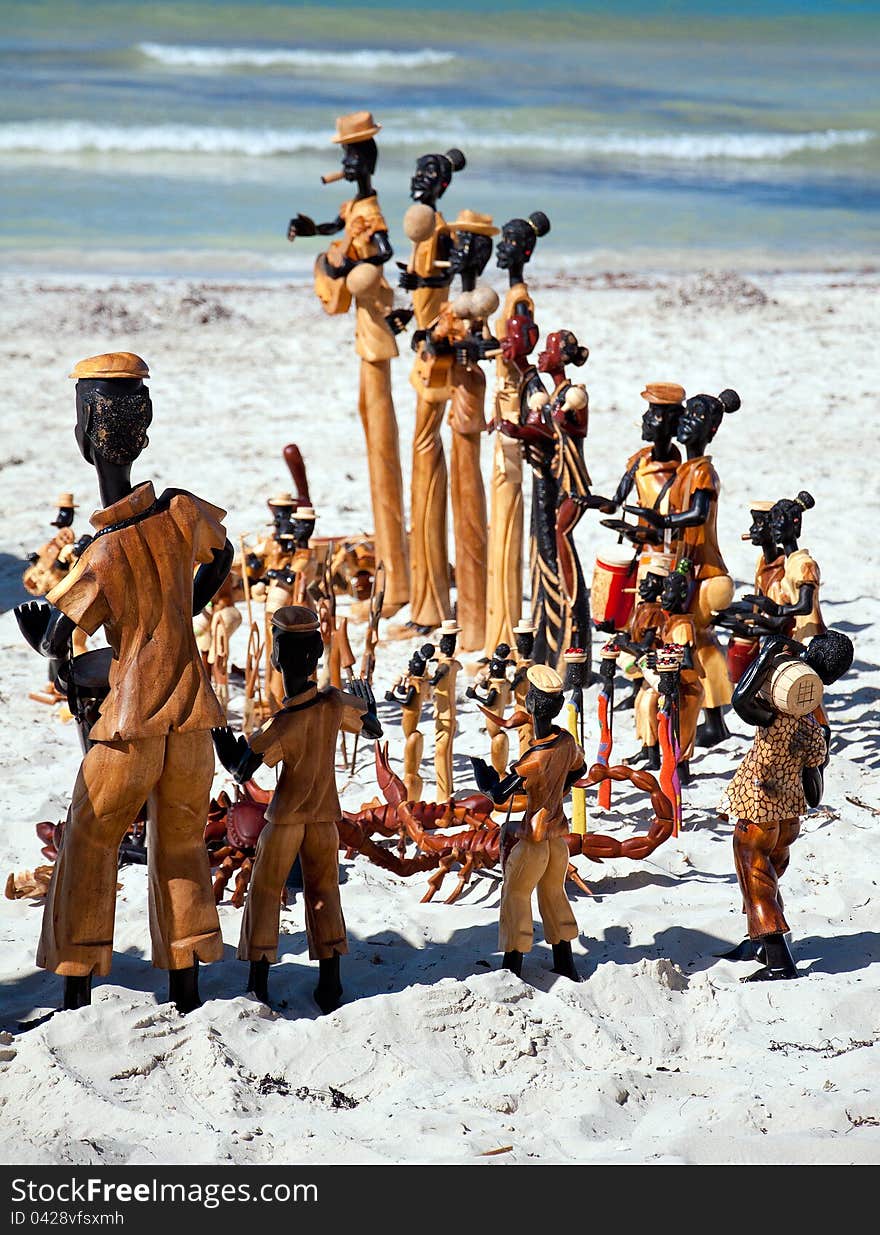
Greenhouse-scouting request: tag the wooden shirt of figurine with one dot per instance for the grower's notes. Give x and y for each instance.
(505, 581)
(444, 686)
(151, 740)
(357, 259)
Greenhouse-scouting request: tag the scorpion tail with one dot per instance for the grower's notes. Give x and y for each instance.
(392, 787)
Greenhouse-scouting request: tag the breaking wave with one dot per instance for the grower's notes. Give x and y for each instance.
(362, 60)
(74, 137)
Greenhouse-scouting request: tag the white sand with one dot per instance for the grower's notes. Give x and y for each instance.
(661, 1054)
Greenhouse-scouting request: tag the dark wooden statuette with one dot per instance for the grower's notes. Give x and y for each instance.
(150, 740)
(302, 817)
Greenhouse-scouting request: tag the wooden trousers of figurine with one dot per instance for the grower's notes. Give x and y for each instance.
(429, 551)
(542, 865)
(412, 755)
(761, 853)
(500, 746)
(468, 496)
(173, 776)
(444, 732)
(317, 845)
(386, 483)
(505, 582)
(712, 595)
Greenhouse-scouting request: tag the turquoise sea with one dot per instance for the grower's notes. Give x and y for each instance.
(182, 136)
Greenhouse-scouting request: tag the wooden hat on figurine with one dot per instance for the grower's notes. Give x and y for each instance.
(111, 366)
(524, 628)
(357, 126)
(663, 392)
(282, 499)
(295, 620)
(65, 501)
(761, 507)
(473, 221)
(449, 626)
(545, 679)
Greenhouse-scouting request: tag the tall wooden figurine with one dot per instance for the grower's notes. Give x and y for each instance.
(151, 742)
(444, 683)
(413, 692)
(505, 584)
(779, 693)
(492, 689)
(352, 269)
(427, 276)
(692, 523)
(302, 817)
(539, 856)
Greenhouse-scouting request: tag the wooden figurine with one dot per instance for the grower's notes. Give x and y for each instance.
(524, 634)
(351, 269)
(412, 692)
(534, 850)
(456, 342)
(505, 584)
(151, 740)
(427, 276)
(289, 582)
(742, 646)
(492, 689)
(790, 603)
(551, 430)
(691, 522)
(302, 817)
(443, 684)
(779, 693)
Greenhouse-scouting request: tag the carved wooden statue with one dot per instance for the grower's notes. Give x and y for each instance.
(535, 851)
(303, 814)
(780, 776)
(444, 684)
(492, 689)
(691, 522)
(151, 740)
(352, 269)
(524, 658)
(413, 692)
(505, 584)
(428, 275)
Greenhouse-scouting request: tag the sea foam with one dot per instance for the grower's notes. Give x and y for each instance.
(361, 60)
(74, 136)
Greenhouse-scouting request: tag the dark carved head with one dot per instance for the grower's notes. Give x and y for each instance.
(785, 516)
(359, 159)
(561, 348)
(470, 253)
(518, 239)
(433, 175)
(702, 416)
(112, 419)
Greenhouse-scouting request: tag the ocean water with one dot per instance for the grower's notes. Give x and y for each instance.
(163, 137)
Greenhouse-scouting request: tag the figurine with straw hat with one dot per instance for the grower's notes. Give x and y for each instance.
(443, 683)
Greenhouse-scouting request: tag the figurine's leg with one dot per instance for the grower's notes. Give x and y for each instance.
(386, 483)
(443, 758)
(560, 926)
(754, 846)
(325, 924)
(412, 760)
(505, 582)
(500, 751)
(184, 925)
(690, 702)
(470, 526)
(526, 863)
(276, 852)
(712, 730)
(114, 781)
(429, 553)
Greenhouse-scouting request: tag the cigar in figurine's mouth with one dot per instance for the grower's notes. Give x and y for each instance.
(333, 177)
(745, 536)
(442, 265)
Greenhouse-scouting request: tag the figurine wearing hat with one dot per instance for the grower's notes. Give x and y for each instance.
(301, 819)
(152, 559)
(443, 683)
(352, 268)
(524, 634)
(412, 692)
(539, 855)
(492, 691)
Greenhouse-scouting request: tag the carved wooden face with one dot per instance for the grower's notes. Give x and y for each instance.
(470, 254)
(359, 159)
(525, 645)
(784, 521)
(660, 420)
(282, 517)
(552, 358)
(64, 518)
(431, 178)
(651, 586)
(760, 526)
(674, 596)
(516, 245)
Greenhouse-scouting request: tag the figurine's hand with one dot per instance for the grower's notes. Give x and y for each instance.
(408, 279)
(398, 320)
(33, 619)
(233, 752)
(470, 693)
(371, 727)
(650, 516)
(79, 547)
(764, 603)
(301, 225)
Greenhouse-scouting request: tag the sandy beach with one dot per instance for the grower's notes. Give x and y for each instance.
(660, 1054)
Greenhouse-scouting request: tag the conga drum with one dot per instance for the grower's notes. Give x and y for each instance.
(740, 654)
(793, 688)
(613, 591)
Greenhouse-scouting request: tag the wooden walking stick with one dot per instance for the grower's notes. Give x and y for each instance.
(575, 669)
(669, 660)
(607, 670)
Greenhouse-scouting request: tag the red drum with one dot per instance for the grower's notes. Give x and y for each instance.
(613, 592)
(740, 654)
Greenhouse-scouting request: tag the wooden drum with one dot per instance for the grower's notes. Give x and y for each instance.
(793, 688)
(740, 654)
(613, 591)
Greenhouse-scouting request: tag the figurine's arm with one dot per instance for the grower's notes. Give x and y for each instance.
(235, 754)
(409, 280)
(210, 576)
(367, 721)
(46, 628)
(302, 225)
(697, 512)
(405, 699)
(575, 774)
(442, 671)
(498, 788)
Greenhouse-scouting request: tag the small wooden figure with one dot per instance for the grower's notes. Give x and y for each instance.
(428, 275)
(505, 585)
(443, 684)
(492, 689)
(691, 521)
(524, 634)
(790, 603)
(413, 692)
(289, 582)
(534, 850)
(780, 694)
(301, 819)
(352, 269)
(151, 740)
